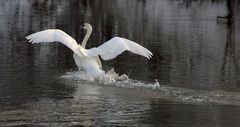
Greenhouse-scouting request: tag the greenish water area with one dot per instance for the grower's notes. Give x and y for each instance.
(191, 80)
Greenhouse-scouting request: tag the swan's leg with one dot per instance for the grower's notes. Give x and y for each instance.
(98, 62)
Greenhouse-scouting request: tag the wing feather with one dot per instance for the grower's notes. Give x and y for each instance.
(116, 46)
(54, 35)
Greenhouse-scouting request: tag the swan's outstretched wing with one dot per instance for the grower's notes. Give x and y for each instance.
(116, 46)
(54, 35)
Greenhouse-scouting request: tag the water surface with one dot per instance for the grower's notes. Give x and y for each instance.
(196, 63)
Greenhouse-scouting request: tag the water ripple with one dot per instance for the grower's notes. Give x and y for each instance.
(166, 92)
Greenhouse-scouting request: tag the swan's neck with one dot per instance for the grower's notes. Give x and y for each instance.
(89, 32)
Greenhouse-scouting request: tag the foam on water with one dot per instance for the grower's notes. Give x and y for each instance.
(185, 95)
(120, 81)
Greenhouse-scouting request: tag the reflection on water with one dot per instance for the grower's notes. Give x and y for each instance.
(190, 48)
(230, 60)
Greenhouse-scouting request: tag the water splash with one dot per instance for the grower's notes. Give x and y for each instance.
(179, 94)
(120, 81)
(77, 76)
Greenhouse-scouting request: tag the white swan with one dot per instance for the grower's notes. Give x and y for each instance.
(88, 59)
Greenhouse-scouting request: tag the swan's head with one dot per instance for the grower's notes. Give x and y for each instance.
(87, 26)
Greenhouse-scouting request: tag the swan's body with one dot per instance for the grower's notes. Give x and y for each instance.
(89, 65)
(88, 59)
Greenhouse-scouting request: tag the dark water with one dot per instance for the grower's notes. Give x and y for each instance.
(195, 58)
